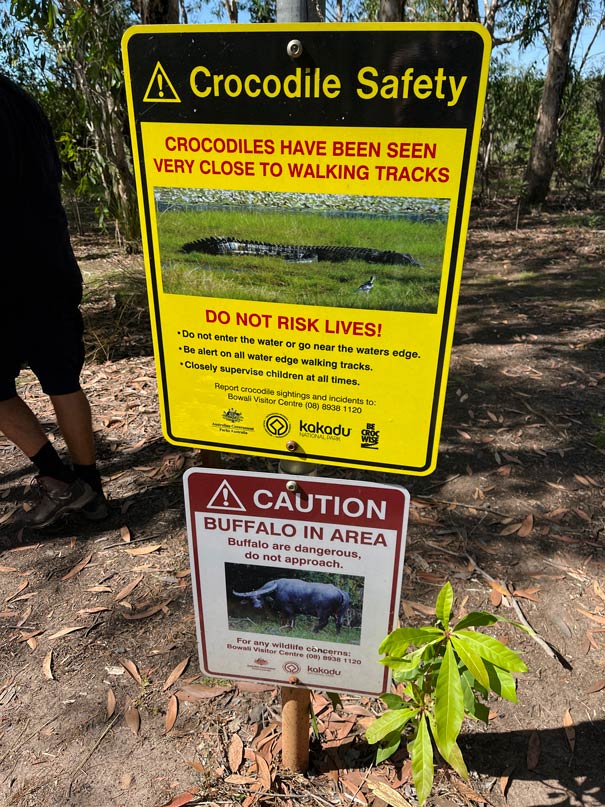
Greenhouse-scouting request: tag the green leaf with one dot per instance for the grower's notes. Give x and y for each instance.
(393, 701)
(453, 755)
(388, 746)
(334, 699)
(449, 701)
(502, 682)
(421, 752)
(443, 606)
(471, 660)
(456, 760)
(492, 650)
(476, 619)
(406, 674)
(472, 706)
(474, 684)
(389, 722)
(397, 642)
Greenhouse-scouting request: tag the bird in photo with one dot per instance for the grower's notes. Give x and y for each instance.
(368, 285)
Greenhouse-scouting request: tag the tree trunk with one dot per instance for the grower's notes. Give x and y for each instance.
(301, 11)
(158, 12)
(542, 159)
(468, 10)
(391, 11)
(598, 160)
(232, 10)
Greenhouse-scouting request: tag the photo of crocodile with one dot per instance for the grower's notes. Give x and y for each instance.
(303, 249)
(221, 245)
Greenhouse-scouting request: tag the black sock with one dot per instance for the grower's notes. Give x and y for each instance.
(49, 463)
(90, 474)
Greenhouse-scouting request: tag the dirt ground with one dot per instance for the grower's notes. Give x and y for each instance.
(101, 699)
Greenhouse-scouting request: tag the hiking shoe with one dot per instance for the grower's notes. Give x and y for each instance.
(97, 509)
(56, 499)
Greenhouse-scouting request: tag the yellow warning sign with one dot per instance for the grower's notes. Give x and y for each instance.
(160, 88)
(304, 229)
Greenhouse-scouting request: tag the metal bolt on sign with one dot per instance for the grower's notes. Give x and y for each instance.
(294, 49)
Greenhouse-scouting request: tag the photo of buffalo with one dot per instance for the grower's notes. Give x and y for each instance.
(290, 597)
(299, 604)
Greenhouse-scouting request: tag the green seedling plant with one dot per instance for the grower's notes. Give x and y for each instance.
(447, 673)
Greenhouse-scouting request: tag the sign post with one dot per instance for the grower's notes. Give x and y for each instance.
(305, 192)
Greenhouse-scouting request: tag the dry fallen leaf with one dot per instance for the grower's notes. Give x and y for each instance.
(47, 666)
(598, 590)
(144, 550)
(127, 589)
(527, 593)
(65, 631)
(132, 669)
(238, 779)
(111, 703)
(510, 529)
(467, 792)
(235, 754)
(182, 799)
(22, 585)
(133, 719)
(600, 620)
(387, 793)
(570, 730)
(352, 784)
(78, 567)
(264, 772)
(25, 616)
(176, 673)
(526, 527)
(7, 569)
(496, 586)
(125, 534)
(146, 613)
(596, 687)
(197, 692)
(504, 780)
(172, 712)
(97, 609)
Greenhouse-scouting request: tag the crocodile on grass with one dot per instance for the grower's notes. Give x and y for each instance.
(218, 245)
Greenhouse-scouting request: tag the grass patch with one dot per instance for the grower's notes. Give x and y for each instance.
(272, 279)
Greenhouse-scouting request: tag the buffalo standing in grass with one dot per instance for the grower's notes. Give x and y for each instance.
(291, 597)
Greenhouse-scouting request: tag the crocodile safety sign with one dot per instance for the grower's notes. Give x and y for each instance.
(295, 576)
(304, 192)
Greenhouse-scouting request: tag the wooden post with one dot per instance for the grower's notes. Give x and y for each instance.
(295, 728)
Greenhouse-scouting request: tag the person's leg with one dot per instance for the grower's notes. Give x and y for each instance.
(19, 425)
(75, 422)
(61, 491)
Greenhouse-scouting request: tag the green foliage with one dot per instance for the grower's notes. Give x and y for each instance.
(70, 49)
(446, 677)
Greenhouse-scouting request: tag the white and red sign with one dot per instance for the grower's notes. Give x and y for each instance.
(295, 577)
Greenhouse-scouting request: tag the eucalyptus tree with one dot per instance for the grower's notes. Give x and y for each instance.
(562, 15)
(76, 56)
